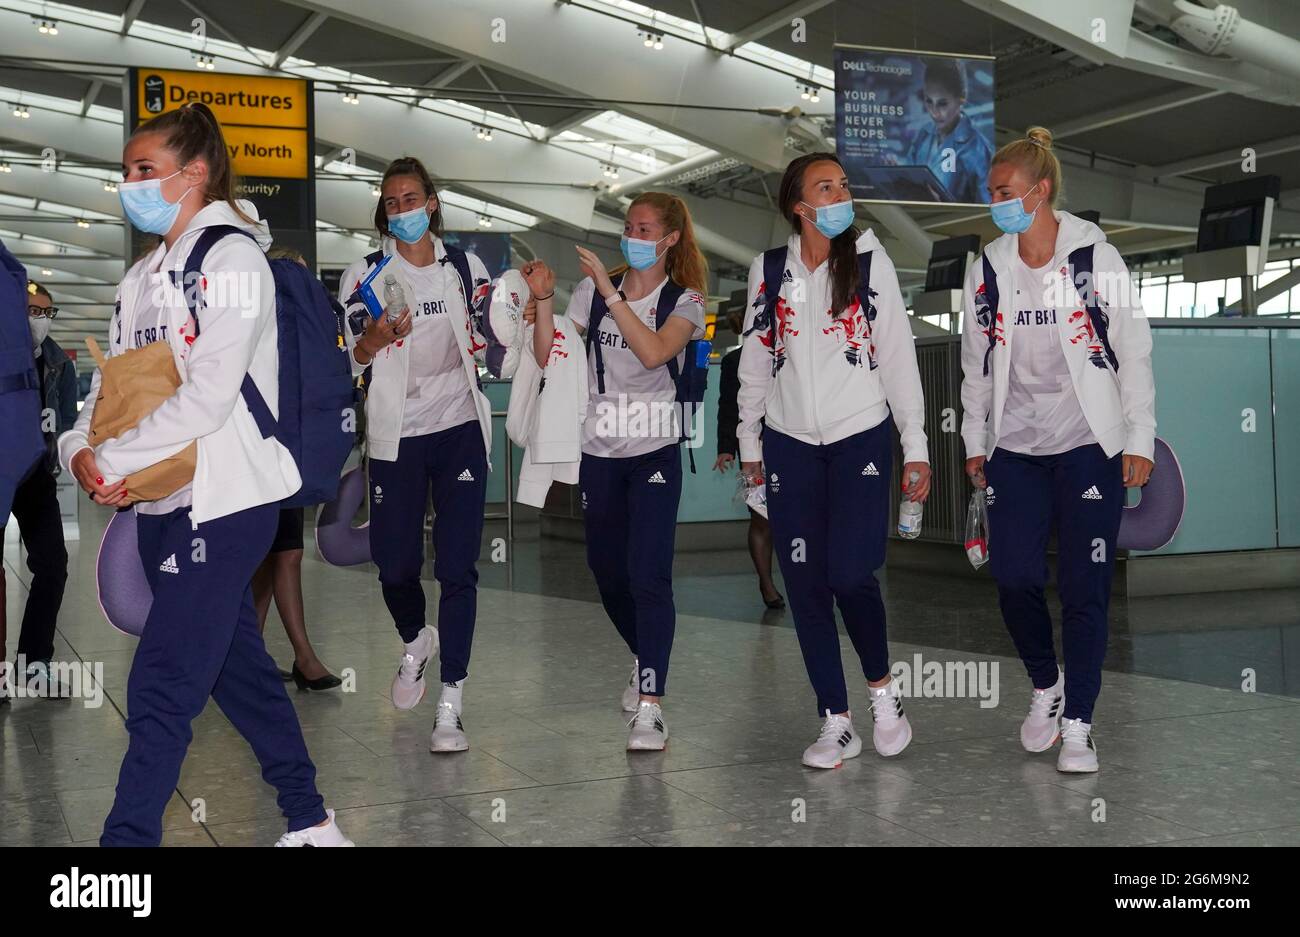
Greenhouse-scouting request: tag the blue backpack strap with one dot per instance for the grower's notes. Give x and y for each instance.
(460, 262)
(773, 275)
(668, 297)
(191, 288)
(598, 310)
(991, 294)
(1084, 282)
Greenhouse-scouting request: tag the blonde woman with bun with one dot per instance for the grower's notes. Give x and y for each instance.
(1059, 419)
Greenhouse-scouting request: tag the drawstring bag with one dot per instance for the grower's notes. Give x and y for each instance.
(131, 386)
(977, 530)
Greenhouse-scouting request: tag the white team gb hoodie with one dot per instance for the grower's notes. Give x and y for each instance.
(386, 395)
(1119, 406)
(547, 406)
(237, 468)
(834, 377)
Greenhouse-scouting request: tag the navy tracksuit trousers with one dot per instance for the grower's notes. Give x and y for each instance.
(829, 510)
(454, 463)
(1081, 492)
(201, 639)
(629, 507)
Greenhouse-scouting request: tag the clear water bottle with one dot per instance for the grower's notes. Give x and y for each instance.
(394, 298)
(909, 512)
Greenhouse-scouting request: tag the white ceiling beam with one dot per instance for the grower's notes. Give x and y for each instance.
(92, 92)
(300, 35)
(574, 120)
(772, 22)
(1195, 164)
(128, 17)
(613, 64)
(1137, 109)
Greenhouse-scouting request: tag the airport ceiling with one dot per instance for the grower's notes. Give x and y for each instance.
(1038, 81)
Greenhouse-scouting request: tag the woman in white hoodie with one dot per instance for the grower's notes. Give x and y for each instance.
(1059, 419)
(827, 358)
(201, 544)
(428, 427)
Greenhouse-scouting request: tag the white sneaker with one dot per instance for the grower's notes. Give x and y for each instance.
(632, 692)
(448, 731)
(892, 732)
(838, 740)
(1078, 753)
(327, 835)
(649, 733)
(409, 686)
(1042, 727)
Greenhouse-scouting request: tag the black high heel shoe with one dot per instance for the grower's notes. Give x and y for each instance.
(327, 682)
(778, 602)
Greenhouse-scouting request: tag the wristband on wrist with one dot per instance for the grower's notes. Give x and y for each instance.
(542, 299)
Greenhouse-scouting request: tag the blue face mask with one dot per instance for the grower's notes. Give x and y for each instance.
(640, 254)
(411, 225)
(144, 205)
(834, 219)
(1011, 216)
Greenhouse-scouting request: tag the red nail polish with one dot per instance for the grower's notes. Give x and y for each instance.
(99, 479)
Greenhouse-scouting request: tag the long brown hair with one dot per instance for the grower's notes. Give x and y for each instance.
(408, 166)
(686, 264)
(193, 132)
(844, 250)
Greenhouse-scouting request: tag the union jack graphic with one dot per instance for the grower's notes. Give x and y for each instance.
(853, 328)
(763, 326)
(1084, 332)
(985, 318)
(557, 348)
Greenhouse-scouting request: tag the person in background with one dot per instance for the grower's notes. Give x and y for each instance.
(36, 504)
(280, 576)
(950, 146)
(760, 533)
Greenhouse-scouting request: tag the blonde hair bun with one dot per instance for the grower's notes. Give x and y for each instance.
(1040, 135)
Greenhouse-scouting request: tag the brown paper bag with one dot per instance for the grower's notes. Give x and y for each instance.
(131, 386)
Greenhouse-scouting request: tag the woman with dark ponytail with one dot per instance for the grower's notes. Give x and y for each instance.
(827, 359)
(201, 543)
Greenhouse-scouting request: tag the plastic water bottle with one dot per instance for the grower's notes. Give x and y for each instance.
(394, 298)
(909, 512)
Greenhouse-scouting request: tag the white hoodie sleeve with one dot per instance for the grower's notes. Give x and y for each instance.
(218, 360)
(976, 388)
(891, 333)
(755, 372)
(1130, 339)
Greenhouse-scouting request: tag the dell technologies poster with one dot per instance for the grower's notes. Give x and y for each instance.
(914, 126)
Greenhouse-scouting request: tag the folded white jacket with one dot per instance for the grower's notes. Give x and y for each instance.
(547, 409)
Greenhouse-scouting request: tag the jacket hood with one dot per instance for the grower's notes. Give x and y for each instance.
(867, 241)
(1073, 234)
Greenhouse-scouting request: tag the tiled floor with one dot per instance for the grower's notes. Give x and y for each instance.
(1188, 758)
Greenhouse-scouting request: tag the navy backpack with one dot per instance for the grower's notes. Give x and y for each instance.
(774, 273)
(316, 386)
(21, 442)
(1080, 262)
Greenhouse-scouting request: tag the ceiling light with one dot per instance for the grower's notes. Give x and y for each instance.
(110, 186)
(83, 223)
